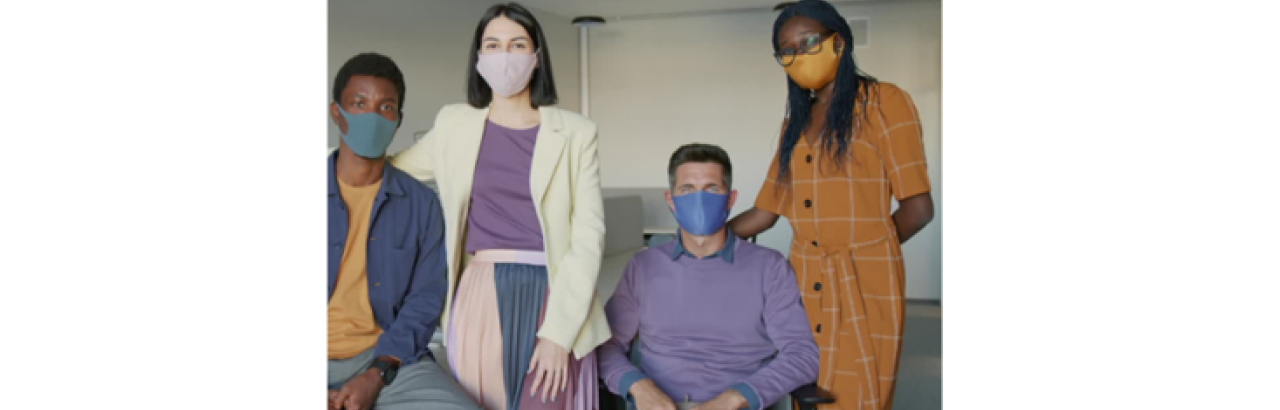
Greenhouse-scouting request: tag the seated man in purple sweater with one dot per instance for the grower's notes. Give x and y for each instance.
(719, 319)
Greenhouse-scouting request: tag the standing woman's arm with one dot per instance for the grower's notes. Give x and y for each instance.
(912, 215)
(752, 222)
(575, 282)
(417, 160)
(903, 149)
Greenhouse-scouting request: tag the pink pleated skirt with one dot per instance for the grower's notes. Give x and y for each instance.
(494, 320)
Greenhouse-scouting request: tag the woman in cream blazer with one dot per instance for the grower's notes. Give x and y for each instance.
(565, 180)
(564, 189)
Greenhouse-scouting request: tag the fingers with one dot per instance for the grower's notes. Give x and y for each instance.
(357, 403)
(667, 403)
(551, 374)
(561, 382)
(553, 383)
(537, 381)
(546, 387)
(556, 376)
(533, 362)
(533, 369)
(343, 396)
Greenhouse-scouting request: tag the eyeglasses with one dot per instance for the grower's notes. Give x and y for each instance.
(811, 44)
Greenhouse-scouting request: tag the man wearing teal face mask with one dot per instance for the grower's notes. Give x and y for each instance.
(387, 280)
(719, 318)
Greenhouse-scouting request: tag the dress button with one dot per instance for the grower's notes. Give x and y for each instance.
(818, 329)
(808, 203)
(376, 283)
(808, 158)
(817, 286)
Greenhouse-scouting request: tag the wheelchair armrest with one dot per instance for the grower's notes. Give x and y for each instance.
(812, 395)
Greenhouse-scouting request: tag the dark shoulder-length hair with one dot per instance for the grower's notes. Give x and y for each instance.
(542, 87)
(852, 89)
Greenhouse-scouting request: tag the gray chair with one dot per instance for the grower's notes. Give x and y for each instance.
(806, 397)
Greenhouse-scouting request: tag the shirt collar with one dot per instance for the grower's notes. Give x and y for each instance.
(388, 186)
(725, 252)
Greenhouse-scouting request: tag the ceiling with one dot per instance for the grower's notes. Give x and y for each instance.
(615, 9)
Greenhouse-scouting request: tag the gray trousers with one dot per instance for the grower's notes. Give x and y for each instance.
(680, 405)
(783, 404)
(419, 386)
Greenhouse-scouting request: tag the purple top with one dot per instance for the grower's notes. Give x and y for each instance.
(502, 215)
(709, 325)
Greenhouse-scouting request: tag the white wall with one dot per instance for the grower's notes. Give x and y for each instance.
(658, 84)
(429, 40)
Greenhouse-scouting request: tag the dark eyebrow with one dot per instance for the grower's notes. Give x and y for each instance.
(525, 38)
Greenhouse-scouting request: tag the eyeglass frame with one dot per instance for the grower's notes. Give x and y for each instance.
(822, 38)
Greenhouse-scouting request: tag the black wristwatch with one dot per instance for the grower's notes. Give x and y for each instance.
(386, 369)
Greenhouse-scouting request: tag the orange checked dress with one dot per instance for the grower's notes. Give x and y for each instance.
(845, 248)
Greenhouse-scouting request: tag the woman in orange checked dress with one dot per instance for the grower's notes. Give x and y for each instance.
(850, 144)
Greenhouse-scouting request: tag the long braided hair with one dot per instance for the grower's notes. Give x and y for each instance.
(852, 86)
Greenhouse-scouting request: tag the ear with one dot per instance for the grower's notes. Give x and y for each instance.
(337, 118)
(671, 204)
(838, 44)
(733, 198)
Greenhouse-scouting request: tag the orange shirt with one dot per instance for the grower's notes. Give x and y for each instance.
(352, 329)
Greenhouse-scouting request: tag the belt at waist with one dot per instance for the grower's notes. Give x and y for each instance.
(812, 247)
(538, 258)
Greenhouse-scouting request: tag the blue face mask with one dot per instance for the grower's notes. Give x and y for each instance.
(701, 213)
(369, 134)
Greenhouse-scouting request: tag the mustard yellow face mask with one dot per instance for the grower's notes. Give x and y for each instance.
(814, 71)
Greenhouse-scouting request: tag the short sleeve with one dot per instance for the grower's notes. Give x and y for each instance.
(773, 194)
(901, 144)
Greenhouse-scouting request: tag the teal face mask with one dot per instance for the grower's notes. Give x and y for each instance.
(369, 134)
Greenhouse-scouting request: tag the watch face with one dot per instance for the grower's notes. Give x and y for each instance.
(389, 375)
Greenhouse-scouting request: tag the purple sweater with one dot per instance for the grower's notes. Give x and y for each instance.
(709, 325)
(502, 215)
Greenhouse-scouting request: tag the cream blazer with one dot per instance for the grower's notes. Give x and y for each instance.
(565, 182)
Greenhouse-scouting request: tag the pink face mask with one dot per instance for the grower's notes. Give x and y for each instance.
(506, 73)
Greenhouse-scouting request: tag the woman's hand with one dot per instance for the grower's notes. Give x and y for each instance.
(551, 365)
